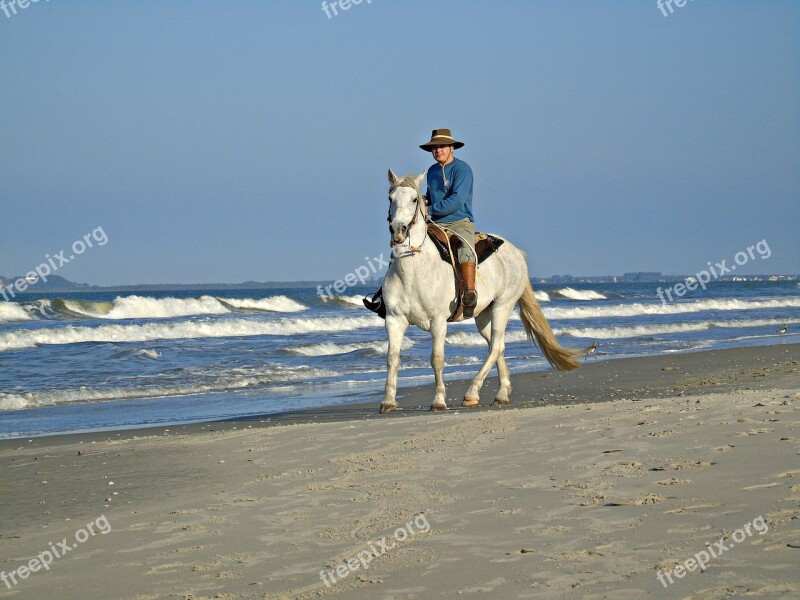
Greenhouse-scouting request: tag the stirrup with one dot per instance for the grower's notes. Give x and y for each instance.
(470, 298)
(375, 304)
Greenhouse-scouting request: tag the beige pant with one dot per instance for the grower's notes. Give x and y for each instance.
(465, 229)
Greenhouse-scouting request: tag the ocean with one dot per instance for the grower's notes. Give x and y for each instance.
(103, 361)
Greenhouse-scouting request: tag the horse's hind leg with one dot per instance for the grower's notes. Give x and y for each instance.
(484, 324)
(497, 345)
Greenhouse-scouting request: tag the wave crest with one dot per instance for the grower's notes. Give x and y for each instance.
(663, 329)
(11, 311)
(639, 309)
(30, 338)
(271, 304)
(573, 294)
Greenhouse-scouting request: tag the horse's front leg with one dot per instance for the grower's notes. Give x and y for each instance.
(396, 330)
(438, 334)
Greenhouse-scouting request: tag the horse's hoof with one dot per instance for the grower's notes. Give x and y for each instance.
(438, 407)
(467, 401)
(388, 406)
(501, 402)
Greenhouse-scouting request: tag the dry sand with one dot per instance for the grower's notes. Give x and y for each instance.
(563, 498)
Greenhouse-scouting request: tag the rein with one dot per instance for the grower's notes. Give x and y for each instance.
(412, 250)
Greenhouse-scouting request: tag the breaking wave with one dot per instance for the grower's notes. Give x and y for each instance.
(146, 307)
(652, 330)
(26, 338)
(634, 310)
(143, 307)
(272, 304)
(11, 311)
(348, 301)
(574, 294)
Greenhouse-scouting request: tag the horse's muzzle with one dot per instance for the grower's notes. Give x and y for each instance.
(399, 236)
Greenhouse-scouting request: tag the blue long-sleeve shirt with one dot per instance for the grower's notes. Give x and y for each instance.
(451, 202)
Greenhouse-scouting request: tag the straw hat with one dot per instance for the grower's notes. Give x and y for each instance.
(441, 137)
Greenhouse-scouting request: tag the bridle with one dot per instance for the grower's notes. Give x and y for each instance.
(412, 250)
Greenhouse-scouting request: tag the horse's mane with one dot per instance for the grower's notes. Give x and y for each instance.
(407, 180)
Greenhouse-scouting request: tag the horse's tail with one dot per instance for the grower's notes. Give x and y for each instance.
(539, 332)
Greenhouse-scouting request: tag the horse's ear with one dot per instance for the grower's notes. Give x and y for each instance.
(418, 180)
(392, 177)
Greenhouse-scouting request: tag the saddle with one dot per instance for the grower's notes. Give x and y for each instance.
(485, 246)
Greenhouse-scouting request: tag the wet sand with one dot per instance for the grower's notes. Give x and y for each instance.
(593, 484)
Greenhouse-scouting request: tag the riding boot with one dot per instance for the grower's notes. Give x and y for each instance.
(375, 304)
(469, 297)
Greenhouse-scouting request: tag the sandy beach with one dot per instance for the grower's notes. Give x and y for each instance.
(665, 477)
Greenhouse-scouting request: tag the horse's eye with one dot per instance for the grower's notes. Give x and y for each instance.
(415, 200)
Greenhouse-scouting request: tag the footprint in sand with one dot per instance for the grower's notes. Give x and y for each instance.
(685, 464)
(755, 431)
(639, 501)
(510, 511)
(486, 587)
(664, 433)
(626, 468)
(674, 481)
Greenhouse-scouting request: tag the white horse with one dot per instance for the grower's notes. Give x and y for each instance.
(420, 289)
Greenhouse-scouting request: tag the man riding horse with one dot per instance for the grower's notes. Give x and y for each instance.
(449, 200)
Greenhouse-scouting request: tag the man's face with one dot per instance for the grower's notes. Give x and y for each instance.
(442, 154)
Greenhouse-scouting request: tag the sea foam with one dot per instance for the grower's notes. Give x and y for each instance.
(11, 311)
(637, 309)
(29, 338)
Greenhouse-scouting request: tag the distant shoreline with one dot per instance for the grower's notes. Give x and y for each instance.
(565, 280)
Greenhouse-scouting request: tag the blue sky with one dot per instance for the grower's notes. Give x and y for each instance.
(244, 140)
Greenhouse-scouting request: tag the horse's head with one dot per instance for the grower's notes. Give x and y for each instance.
(406, 203)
